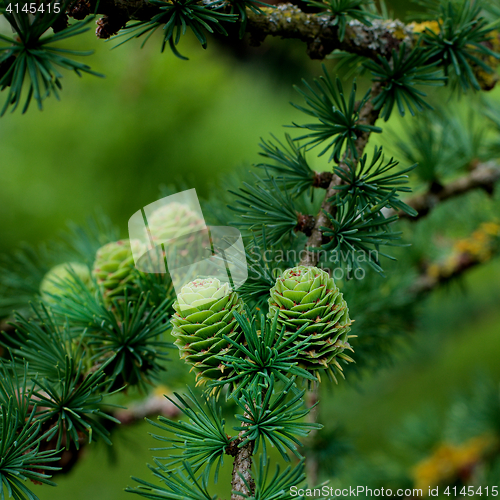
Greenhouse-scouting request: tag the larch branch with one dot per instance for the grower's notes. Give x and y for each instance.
(484, 176)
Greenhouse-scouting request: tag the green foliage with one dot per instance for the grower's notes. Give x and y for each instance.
(373, 182)
(70, 357)
(14, 380)
(290, 165)
(344, 10)
(261, 273)
(278, 487)
(399, 77)
(264, 355)
(330, 448)
(80, 242)
(44, 344)
(265, 204)
(363, 231)
(492, 111)
(22, 271)
(273, 419)
(30, 56)
(339, 118)
(129, 334)
(178, 485)
(74, 403)
(21, 459)
(348, 64)
(202, 441)
(69, 397)
(176, 16)
(239, 8)
(158, 287)
(385, 312)
(459, 44)
(470, 421)
(442, 144)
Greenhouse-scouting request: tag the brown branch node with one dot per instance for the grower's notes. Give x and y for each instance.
(322, 179)
(305, 224)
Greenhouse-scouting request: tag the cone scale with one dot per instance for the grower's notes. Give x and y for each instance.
(204, 313)
(308, 296)
(114, 267)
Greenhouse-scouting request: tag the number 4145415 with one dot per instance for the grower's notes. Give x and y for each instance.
(33, 8)
(471, 491)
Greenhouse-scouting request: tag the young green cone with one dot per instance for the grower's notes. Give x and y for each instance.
(114, 266)
(54, 281)
(204, 313)
(308, 296)
(179, 231)
(173, 220)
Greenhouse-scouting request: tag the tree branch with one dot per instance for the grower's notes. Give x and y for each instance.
(438, 274)
(321, 34)
(322, 179)
(318, 32)
(153, 405)
(367, 116)
(484, 176)
(242, 467)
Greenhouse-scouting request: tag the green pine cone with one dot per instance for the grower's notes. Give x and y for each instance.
(114, 266)
(173, 220)
(308, 296)
(62, 272)
(204, 313)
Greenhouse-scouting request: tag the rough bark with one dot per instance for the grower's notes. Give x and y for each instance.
(321, 36)
(286, 21)
(242, 465)
(322, 179)
(318, 32)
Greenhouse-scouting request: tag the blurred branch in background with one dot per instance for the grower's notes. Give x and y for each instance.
(482, 176)
(479, 248)
(153, 405)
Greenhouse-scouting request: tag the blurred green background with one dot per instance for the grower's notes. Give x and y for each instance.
(156, 120)
(111, 142)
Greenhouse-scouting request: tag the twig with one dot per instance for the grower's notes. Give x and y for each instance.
(153, 405)
(318, 32)
(484, 176)
(242, 466)
(428, 282)
(367, 116)
(481, 247)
